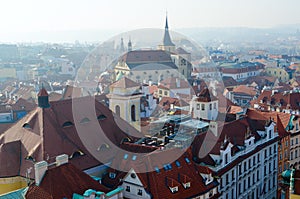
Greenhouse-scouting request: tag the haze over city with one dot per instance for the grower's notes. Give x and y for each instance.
(58, 21)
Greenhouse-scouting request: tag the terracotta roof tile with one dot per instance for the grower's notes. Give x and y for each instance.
(63, 181)
(124, 83)
(39, 129)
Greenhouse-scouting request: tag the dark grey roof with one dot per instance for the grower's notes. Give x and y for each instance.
(154, 66)
(167, 39)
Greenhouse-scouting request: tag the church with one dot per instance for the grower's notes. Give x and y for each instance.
(145, 66)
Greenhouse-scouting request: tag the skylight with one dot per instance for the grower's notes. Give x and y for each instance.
(134, 157)
(125, 156)
(156, 169)
(187, 160)
(101, 117)
(177, 163)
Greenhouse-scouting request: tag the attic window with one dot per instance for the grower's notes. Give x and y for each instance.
(76, 154)
(67, 124)
(30, 158)
(26, 126)
(112, 175)
(174, 189)
(177, 163)
(103, 147)
(101, 117)
(85, 120)
(186, 185)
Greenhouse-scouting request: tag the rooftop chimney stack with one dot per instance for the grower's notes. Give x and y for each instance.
(61, 159)
(40, 169)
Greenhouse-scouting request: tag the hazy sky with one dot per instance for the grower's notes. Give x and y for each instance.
(24, 16)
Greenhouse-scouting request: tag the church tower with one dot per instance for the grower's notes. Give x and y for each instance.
(129, 45)
(124, 99)
(167, 45)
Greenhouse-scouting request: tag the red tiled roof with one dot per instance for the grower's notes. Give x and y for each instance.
(63, 181)
(158, 183)
(42, 127)
(124, 83)
(243, 89)
(43, 92)
(71, 92)
(206, 96)
(279, 99)
(171, 83)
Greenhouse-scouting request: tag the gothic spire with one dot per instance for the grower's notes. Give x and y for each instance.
(167, 39)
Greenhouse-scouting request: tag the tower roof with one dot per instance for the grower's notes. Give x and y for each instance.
(167, 39)
(43, 92)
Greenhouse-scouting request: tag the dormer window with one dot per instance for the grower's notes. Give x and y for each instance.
(112, 175)
(101, 117)
(67, 124)
(85, 120)
(26, 126)
(174, 189)
(186, 185)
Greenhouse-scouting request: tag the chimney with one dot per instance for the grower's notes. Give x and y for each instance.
(177, 82)
(213, 126)
(61, 159)
(40, 169)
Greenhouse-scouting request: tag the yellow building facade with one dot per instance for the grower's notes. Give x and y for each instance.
(279, 73)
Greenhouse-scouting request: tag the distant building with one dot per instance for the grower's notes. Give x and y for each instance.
(241, 71)
(145, 66)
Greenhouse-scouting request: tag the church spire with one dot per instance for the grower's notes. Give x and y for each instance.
(167, 39)
(129, 45)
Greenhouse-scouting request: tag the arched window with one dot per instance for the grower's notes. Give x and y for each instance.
(117, 110)
(133, 113)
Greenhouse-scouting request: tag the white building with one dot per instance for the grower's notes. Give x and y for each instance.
(204, 106)
(244, 157)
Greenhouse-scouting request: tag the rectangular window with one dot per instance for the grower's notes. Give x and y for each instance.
(198, 106)
(202, 107)
(240, 169)
(296, 140)
(232, 174)
(128, 188)
(226, 158)
(257, 176)
(253, 178)
(227, 179)
(254, 160)
(160, 91)
(140, 192)
(245, 166)
(292, 155)
(258, 157)
(265, 154)
(215, 105)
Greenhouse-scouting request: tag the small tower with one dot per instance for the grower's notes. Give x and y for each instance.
(124, 99)
(205, 106)
(122, 48)
(129, 45)
(43, 98)
(167, 45)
